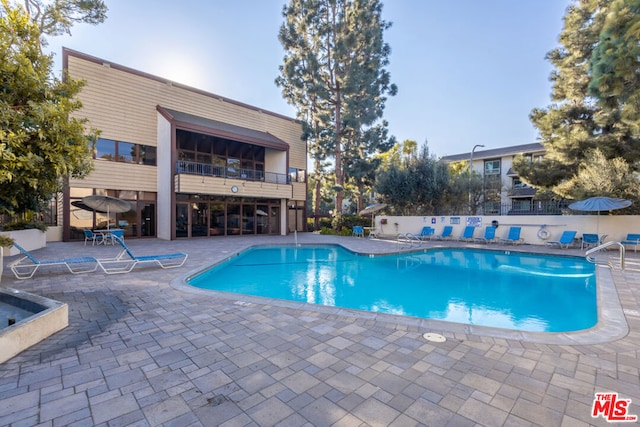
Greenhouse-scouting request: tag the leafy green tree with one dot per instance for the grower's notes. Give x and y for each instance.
(417, 187)
(465, 193)
(333, 73)
(455, 197)
(594, 93)
(400, 153)
(40, 140)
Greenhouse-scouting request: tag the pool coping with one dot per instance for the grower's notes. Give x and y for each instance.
(612, 324)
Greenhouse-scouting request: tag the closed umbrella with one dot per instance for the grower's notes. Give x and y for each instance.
(597, 204)
(106, 204)
(371, 209)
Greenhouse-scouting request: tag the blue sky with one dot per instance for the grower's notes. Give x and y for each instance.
(468, 72)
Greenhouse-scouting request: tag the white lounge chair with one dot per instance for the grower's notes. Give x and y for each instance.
(126, 260)
(565, 241)
(26, 267)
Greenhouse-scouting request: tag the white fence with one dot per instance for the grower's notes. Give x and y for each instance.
(615, 227)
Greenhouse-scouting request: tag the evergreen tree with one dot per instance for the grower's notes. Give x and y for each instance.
(594, 96)
(54, 19)
(361, 161)
(333, 72)
(599, 175)
(615, 80)
(40, 140)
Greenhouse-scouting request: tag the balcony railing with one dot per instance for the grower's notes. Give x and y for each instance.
(205, 169)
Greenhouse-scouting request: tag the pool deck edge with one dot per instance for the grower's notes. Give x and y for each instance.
(611, 325)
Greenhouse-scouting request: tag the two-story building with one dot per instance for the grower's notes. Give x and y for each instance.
(512, 196)
(190, 163)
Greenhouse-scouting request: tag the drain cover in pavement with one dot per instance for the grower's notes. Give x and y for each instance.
(429, 336)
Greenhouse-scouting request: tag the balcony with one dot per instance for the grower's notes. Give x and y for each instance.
(227, 172)
(207, 179)
(522, 191)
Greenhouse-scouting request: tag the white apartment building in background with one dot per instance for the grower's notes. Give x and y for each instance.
(515, 197)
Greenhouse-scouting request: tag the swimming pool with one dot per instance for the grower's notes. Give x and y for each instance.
(517, 291)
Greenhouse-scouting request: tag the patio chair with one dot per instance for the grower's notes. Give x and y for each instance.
(489, 235)
(446, 233)
(93, 237)
(26, 267)
(426, 233)
(513, 236)
(588, 240)
(632, 240)
(467, 234)
(358, 231)
(122, 264)
(565, 240)
(118, 232)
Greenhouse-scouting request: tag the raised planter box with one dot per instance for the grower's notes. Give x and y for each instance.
(29, 239)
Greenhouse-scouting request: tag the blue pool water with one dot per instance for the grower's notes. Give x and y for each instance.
(490, 288)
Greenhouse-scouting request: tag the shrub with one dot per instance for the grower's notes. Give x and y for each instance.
(327, 230)
(6, 241)
(323, 222)
(344, 231)
(340, 221)
(24, 225)
(310, 225)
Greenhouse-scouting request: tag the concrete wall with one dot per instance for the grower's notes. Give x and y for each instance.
(616, 227)
(30, 240)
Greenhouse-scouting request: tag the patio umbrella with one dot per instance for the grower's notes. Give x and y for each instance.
(106, 204)
(597, 204)
(82, 211)
(371, 209)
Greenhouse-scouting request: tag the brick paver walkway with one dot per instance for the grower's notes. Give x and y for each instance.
(141, 350)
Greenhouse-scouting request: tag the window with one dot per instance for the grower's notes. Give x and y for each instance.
(128, 152)
(296, 175)
(492, 167)
(105, 149)
(147, 155)
(221, 157)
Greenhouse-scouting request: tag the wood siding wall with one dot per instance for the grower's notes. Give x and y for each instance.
(121, 176)
(219, 186)
(122, 104)
(299, 191)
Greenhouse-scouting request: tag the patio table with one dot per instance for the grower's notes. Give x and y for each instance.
(107, 235)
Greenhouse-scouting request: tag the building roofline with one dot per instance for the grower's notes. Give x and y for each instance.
(223, 130)
(496, 152)
(71, 52)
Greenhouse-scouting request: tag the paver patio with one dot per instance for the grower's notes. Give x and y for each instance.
(141, 349)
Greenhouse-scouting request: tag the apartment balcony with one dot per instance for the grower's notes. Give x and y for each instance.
(522, 191)
(204, 169)
(200, 178)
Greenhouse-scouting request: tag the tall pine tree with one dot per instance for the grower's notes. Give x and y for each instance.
(333, 72)
(594, 95)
